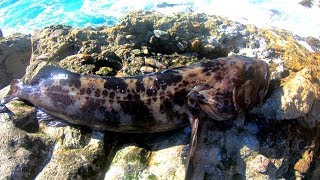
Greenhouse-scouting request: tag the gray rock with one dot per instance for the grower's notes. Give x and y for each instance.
(153, 62)
(57, 33)
(78, 154)
(1, 34)
(129, 36)
(183, 45)
(15, 53)
(293, 100)
(153, 40)
(24, 155)
(89, 47)
(157, 156)
(162, 35)
(314, 43)
(312, 118)
(146, 69)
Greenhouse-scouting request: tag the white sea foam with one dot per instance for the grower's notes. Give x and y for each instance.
(28, 15)
(282, 14)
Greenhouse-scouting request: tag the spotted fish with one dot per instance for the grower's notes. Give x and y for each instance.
(155, 102)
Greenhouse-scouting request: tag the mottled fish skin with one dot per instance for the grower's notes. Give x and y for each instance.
(154, 102)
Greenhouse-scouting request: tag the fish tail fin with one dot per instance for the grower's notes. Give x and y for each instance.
(11, 95)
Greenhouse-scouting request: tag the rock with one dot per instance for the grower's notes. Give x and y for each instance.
(162, 35)
(108, 59)
(82, 63)
(145, 50)
(15, 53)
(43, 57)
(120, 39)
(293, 100)
(146, 69)
(312, 119)
(277, 140)
(316, 171)
(153, 62)
(303, 165)
(196, 25)
(153, 40)
(306, 3)
(58, 32)
(183, 45)
(195, 45)
(104, 71)
(23, 154)
(136, 52)
(81, 161)
(89, 47)
(1, 34)
(260, 164)
(155, 157)
(314, 43)
(130, 36)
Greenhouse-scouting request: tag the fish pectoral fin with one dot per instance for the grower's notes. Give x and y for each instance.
(194, 96)
(50, 120)
(197, 157)
(215, 102)
(190, 162)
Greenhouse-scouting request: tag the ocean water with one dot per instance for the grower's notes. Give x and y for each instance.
(27, 15)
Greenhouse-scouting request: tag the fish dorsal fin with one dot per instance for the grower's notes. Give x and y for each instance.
(53, 72)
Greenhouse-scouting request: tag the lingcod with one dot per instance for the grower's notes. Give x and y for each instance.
(156, 102)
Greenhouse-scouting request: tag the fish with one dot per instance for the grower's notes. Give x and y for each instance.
(156, 102)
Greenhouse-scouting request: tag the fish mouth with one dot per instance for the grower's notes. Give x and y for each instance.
(208, 109)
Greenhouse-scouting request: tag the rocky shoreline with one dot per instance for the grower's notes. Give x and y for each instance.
(278, 139)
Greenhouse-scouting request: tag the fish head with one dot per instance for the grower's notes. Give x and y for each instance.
(252, 84)
(244, 83)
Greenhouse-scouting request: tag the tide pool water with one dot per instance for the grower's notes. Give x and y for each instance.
(27, 15)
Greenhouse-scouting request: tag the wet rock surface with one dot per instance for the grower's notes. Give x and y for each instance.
(278, 139)
(15, 53)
